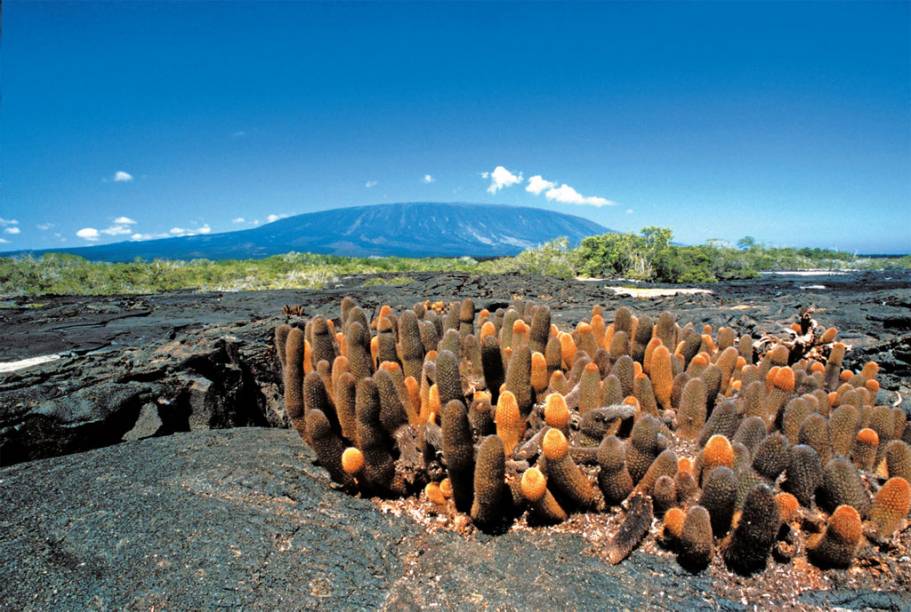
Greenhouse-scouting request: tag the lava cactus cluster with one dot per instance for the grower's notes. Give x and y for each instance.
(745, 448)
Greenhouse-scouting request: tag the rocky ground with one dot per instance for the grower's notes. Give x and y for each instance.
(242, 517)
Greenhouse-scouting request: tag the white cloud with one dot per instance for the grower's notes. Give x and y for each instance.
(238, 220)
(122, 177)
(564, 194)
(44, 226)
(5, 222)
(274, 217)
(629, 211)
(116, 230)
(124, 221)
(13, 230)
(181, 231)
(4, 241)
(371, 184)
(88, 233)
(501, 178)
(537, 184)
(149, 236)
(427, 179)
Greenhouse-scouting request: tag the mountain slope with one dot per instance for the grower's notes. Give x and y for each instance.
(408, 230)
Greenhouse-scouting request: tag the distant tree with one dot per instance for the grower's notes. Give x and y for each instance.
(746, 243)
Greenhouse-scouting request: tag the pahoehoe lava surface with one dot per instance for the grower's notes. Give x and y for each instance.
(242, 517)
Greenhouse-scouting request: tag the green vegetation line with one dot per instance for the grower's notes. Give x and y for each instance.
(647, 256)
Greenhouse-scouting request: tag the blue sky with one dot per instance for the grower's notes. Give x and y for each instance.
(789, 122)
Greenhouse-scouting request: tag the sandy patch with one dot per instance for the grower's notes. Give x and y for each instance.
(12, 366)
(650, 292)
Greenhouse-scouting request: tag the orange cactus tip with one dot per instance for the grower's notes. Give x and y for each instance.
(553, 330)
(430, 356)
(630, 400)
(391, 367)
(597, 310)
(700, 360)
(446, 487)
(555, 445)
(817, 367)
(868, 436)
(784, 379)
(770, 376)
(533, 484)
(557, 379)
(845, 375)
(736, 385)
(519, 327)
(538, 372)
(556, 413)
(717, 452)
(740, 363)
(385, 310)
(433, 399)
(829, 335)
(661, 352)
(795, 327)
(637, 370)
(480, 395)
(708, 342)
(872, 385)
(507, 352)
(567, 347)
(591, 367)
(434, 493)
(331, 325)
(870, 370)
(352, 460)
(787, 506)
(484, 313)
(584, 328)
(488, 329)
(845, 523)
(685, 466)
(679, 350)
(673, 522)
(833, 397)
